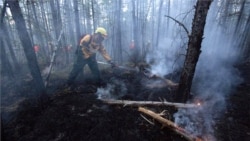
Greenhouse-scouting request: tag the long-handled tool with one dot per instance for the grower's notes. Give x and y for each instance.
(136, 69)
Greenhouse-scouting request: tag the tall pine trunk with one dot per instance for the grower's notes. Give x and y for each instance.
(193, 52)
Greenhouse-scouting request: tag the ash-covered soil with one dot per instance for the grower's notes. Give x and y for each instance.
(78, 115)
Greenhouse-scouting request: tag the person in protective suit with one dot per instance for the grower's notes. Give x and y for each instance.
(89, 46)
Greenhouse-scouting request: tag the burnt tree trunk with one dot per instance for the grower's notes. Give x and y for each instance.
(193, 51)
(28, 49)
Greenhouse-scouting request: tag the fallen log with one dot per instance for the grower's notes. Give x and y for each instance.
(170, 125)
(143, 103)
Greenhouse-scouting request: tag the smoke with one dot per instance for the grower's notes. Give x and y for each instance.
(114, 90)
(215, 79)
(165, 58)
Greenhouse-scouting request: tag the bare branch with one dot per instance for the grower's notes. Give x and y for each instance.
(181, 24)
(53, 59)
(141, 103)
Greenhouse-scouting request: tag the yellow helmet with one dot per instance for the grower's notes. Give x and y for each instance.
(101, 30)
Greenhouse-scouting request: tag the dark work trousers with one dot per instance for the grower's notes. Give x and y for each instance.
(79, 64)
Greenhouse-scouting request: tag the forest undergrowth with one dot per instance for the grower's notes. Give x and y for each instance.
(77, 114)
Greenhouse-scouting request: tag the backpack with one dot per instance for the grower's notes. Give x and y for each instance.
(78, 48)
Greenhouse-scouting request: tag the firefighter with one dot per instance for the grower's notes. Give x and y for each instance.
(36, 49)
(89, 46)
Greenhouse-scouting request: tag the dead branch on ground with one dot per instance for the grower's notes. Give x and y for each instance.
(144, 103)
(170, 125)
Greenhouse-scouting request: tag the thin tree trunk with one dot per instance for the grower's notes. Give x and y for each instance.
(159, 23)
(57, 22)
(28, 49)
(143, 31)
(68, 30)
(47, 32)
(168, 12)
(93, 14)
(30, 25)
(39, 32)
(193, 51)
(88, 16)
(119, 35)
(135, 54)
(52, 61)
(245, 41)
(153, 25)
(77, 24)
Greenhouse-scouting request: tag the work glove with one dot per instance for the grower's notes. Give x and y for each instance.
(113, 65)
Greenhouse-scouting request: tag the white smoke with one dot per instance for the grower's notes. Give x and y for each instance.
(105, 93)
(114, 90)
(163, 60)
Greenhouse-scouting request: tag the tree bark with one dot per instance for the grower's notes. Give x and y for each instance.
(28, 49)
(193, 52)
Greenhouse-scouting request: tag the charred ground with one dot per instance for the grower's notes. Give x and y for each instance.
(77, 114)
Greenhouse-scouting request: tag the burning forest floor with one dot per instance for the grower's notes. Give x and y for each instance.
(78, 114)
